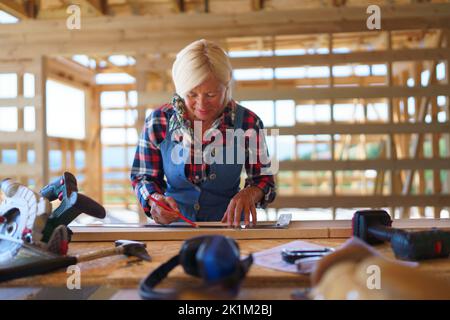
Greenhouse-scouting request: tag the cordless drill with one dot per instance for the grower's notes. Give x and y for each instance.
(374, 226)
(72, 204)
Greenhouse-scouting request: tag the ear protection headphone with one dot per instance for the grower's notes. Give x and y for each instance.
(215, 259)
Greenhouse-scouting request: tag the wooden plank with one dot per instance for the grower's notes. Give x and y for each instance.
(93, 149)
(334, 59)
(16, 66)
(357, 201)
(41, 148)
(19, 102)
(260, 283)
(74, 72)
(161, 97)
(296, 230)
(20, 136)
(343, 19)
(417, 139)
(104, 35)
(369, 57)
(377, 164)
(340, 92)
(14, 8)
(18, 170)
(362, 128)
(99, 7)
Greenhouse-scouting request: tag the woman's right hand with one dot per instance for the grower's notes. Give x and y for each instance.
(161, 215)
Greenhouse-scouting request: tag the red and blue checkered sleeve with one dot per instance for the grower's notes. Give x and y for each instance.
(258, 168)
(147, 174)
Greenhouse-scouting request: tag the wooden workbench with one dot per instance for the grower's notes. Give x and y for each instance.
(118, 277)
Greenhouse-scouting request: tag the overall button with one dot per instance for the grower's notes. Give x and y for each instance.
(197, 206)
(212, 176)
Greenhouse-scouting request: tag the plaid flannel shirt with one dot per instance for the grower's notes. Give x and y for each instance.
(147, 174)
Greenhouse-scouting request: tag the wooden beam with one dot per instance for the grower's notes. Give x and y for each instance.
(180, 5)
(341, 92)
(257, 5)
(370, 57)
(296, 230)
(103, 35)
(14, 8)
(31, 8)
(18, 170)
(90, 7)
(345, 201)
(20, 136)
(160, 97)
(70, 70)
(422, 111)
(376, 164)
(18, 102)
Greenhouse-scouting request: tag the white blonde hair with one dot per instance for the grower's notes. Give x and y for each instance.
(196, 62)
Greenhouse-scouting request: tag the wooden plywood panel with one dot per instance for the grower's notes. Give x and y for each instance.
(296, 230)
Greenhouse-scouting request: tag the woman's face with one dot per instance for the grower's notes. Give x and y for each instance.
(206, 101)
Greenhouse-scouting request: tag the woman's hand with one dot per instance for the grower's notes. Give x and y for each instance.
(244, 200)
(161, 215)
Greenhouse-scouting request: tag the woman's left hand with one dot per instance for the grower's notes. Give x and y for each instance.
(245, 201)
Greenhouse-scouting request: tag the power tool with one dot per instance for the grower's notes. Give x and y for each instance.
(374, 226)
(72, 204)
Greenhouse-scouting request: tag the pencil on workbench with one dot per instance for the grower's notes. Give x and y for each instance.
(166, 207)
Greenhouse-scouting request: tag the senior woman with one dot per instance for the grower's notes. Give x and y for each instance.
(170, 162)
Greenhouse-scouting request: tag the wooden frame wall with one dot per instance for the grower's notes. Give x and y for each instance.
(142, 38)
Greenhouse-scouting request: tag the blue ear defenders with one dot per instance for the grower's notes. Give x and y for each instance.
(215, 259)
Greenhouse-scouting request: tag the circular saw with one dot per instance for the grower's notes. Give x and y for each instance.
(18, 213)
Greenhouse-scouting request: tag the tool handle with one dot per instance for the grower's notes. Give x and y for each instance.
(99, 254)
(70, 208)
(60, 188)
(36, 267)
(421, 245)
(90, 206)
(380, 232)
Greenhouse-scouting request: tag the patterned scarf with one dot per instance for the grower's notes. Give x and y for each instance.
(181, 122)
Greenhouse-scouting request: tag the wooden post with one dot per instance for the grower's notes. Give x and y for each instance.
(93, 151)
(41, 145)
(447, 106)
(141, 87)
(21, 148)
(420, 173)
(332, 141)
(437, 186)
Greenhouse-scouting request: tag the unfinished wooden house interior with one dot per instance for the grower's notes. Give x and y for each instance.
(362, 115)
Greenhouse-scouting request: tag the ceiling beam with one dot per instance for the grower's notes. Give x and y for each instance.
(170, 33)
(32, 8)
(99, 7)
(13, 8)
(257, 5)
(306, 21)
(180, 5)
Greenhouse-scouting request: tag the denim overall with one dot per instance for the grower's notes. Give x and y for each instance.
(208, 200)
